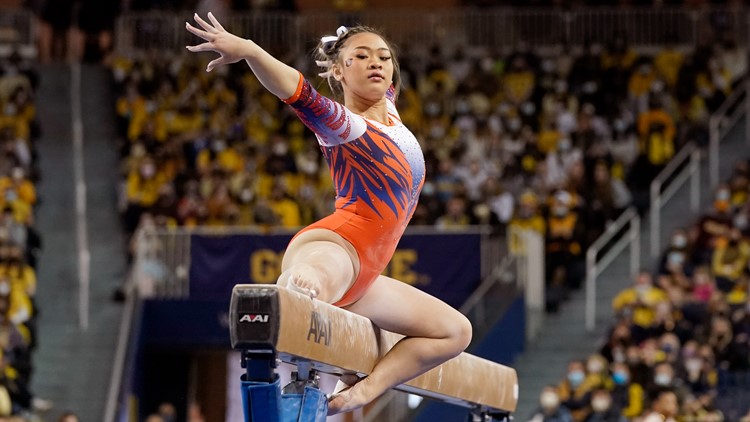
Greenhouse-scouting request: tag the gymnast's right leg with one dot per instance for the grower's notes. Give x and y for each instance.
(319, 268)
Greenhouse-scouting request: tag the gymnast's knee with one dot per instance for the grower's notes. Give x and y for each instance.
(460, 332)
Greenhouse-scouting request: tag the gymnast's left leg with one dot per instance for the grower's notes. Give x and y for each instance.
(435, 332)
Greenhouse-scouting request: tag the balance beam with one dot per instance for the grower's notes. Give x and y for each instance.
(266, 318)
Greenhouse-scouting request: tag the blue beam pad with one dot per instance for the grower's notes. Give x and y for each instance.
(310, 406)
(262, 400)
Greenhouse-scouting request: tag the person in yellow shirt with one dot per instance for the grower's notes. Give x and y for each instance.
(285, 208)
(519, 81)
(627, 394)
(656, 130)
(730, 259)
(18, 182)
(528, 215)
(575, 391)
(22, 277)
(142, 190)
(668, 62)
(222, 155)
(641, 80)
(455, 216)
(564, 238)
(638, 303)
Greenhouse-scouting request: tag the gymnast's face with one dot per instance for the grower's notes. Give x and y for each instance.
(365, 67)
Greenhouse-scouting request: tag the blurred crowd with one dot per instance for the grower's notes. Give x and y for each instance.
(680, 344)
(510, 140)
(20, 242)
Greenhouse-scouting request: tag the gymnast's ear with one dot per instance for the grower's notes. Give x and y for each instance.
(337, 71)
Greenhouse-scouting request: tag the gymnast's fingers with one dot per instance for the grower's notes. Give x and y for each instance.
(215, 22)
(205, 25)
(200, 47)
(214, 63)
(203, 34)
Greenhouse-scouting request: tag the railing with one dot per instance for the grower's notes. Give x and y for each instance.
(526, 247)
(162, 256)
(595, 266)
(721, 122)
(17, 31)
(692, 154)
(492, 27)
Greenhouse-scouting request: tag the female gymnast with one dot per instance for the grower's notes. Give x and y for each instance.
(378, 171)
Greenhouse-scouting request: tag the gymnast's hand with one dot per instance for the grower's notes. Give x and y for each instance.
(230, 47)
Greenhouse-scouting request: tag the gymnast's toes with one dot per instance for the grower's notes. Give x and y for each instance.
(347, 400)
(305, 284)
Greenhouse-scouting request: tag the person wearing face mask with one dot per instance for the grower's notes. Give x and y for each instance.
(676, 259)
(597, 372)
(527, 215)
(713, 226)
(564, 237)
(665, 407)
(730, 259)
(575, 391)
(603, 409)
(142, 190)
(220, 154)
(641, 80)
(550, 408)
(664, 379)
(656, 130)
(639, 304)
(627, 394)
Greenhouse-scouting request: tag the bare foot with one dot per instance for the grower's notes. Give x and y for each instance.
(350, 398)
(304, 279)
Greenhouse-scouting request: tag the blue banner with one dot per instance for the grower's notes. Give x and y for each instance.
(447, 266)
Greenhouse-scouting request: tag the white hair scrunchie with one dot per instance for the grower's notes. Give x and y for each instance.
(328, 42)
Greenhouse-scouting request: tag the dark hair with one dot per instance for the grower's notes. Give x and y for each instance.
(330, 52)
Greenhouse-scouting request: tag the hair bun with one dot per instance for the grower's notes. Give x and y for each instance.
(327, 44)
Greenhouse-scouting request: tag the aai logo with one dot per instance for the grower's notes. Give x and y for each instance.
(254, 318)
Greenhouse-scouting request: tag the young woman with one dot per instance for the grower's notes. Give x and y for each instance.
(378, 171)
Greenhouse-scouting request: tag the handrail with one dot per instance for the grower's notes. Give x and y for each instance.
(720, 121)
(485, 27)
(594, 267)
(115, 383)
(659, 199)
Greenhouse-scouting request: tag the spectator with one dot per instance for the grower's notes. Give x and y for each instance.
(575, 392)
(657, 132)
(456, 215)
(730, 259)
(168, 412)
(286, 210)
(627, 395)
(664, 379)
(602, 409)
(564, 231)
(676, 259)
(550, 408)
(597, 373)
(638, 304)
(712, 227)
(68, 417)
(665, 408)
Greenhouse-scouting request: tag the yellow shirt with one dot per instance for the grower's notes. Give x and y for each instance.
(643, 304)
(288, 212)
(668, 63)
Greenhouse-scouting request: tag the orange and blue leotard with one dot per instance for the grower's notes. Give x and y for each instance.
(378, 172)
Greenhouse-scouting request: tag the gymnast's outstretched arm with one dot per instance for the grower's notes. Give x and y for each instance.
(278, 78)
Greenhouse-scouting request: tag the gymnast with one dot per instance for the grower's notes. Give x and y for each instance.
(378, 171)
